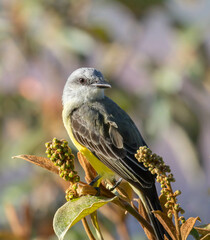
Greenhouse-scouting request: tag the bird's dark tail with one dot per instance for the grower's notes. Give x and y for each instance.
(157, 226)
(152, 203)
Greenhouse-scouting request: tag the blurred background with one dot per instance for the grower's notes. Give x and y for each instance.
(156, 55)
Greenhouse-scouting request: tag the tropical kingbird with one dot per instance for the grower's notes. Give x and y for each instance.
(107, 136)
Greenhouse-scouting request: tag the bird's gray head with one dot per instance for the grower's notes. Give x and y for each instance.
(84, 84)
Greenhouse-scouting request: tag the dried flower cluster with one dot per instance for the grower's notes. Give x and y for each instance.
(61, 155)
(156, 165)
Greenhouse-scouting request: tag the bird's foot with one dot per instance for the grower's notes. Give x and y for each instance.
(117, 183)
(98, 191)
(94, 181)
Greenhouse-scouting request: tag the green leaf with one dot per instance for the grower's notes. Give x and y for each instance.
(73, 211)
(195, 234)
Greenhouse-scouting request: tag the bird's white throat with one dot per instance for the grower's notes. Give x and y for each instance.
(73, 98)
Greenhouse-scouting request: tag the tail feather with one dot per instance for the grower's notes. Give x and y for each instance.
(152, 203)
(157, 226)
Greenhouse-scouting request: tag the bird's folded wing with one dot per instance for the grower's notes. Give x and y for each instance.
(107, 142)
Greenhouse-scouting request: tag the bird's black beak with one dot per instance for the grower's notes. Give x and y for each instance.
(101, 84)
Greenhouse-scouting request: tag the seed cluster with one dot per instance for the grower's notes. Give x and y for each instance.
(61, 155)
(156, 165)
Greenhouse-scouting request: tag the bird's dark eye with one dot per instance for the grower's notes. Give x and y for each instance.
(82, 80)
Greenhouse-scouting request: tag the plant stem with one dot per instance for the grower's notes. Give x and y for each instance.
(176, 217)
(87, 229)
(126, 206)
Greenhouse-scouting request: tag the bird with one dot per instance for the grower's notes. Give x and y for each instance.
(106, 135)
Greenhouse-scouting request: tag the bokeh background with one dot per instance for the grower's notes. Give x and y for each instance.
(156, 55)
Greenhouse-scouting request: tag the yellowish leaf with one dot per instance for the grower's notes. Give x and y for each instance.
(90, 172)
(40, 161)
(188, 226)
(144, 214)
(165, 238)
(166, 222)
(163, 200)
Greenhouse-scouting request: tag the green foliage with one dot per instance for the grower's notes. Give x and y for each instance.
(73, 211)
(195, 234)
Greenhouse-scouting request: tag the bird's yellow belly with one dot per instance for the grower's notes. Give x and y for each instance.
(100, 168)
